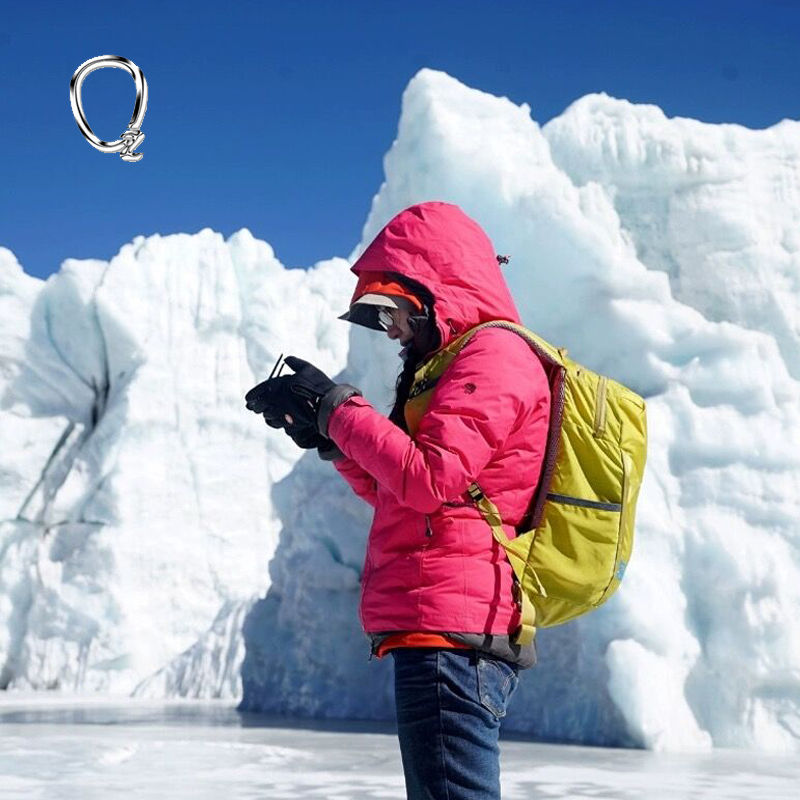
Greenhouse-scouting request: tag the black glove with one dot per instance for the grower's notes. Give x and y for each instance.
(304, 435)
(297, 395)
(301, 404)
(310, 383)
(273, 421)
(307, 438)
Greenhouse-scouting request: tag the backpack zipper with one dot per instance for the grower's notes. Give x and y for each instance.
(600, 407)
(579, 501)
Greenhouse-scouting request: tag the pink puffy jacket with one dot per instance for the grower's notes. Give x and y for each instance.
(432, 563)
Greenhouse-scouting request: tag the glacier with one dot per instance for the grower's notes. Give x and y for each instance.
(158, 540)
(136, 509)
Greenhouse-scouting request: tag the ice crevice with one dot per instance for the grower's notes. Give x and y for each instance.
(73, 440)
(50, 530)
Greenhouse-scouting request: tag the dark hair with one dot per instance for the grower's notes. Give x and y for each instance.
(403, 387)
(426, 339)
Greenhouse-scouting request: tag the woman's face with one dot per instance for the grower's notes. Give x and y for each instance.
(399, 329)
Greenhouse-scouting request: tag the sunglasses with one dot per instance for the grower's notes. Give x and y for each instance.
(385, 317)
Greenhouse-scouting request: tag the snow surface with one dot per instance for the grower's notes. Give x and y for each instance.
(92, 751)
(152, 529)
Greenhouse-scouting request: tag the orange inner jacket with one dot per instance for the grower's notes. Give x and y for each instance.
(417, 640)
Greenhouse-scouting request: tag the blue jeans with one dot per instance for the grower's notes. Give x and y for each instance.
(449, 706)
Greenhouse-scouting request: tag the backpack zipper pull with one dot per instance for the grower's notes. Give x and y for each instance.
(428, 529)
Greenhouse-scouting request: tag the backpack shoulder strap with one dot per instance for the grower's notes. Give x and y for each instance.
(489, 511)
(527, 629)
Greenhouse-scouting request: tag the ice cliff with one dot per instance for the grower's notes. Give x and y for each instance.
(152, 530)
(137, 521)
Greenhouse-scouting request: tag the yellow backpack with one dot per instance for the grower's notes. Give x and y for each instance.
(575, 542)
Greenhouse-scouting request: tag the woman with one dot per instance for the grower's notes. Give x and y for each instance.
(436, 587)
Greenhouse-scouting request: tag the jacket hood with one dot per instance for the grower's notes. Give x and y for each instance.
(437, 245)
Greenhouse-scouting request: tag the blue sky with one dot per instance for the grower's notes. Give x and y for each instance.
(275, 116)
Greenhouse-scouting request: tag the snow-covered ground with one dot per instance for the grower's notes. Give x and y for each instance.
(157, 539)
(83, 750)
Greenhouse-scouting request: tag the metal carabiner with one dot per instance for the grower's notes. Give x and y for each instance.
(133, 136)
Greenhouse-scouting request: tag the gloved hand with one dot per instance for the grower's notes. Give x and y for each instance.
(309, 383)
(307, 438)
(303, 434)
(297, 395)
(300, 401)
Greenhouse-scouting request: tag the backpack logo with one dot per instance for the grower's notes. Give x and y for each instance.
(469, 388)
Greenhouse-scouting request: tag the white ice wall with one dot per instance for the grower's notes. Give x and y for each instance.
(136, 488)
(615, 217)
(141, 504)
